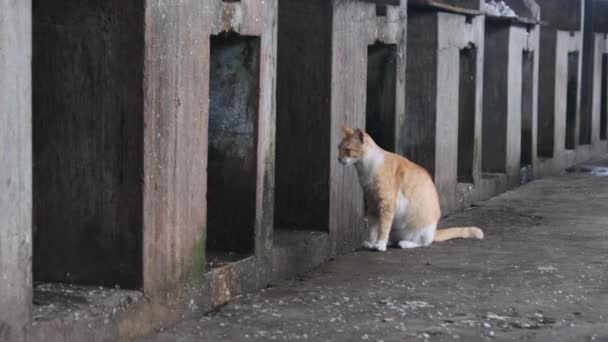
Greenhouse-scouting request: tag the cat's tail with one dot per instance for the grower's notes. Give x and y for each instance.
(458, 233)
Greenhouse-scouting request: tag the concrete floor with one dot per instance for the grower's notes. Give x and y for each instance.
(541, 274)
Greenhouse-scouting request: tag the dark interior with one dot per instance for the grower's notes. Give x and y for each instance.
(466, 113)
(546, 93)
(233, 126)
(527, 101)
(419, 131)
(604, 98)
(495, 103)
(381, 94)
(571, 100)
(87, 142)
(302, 164)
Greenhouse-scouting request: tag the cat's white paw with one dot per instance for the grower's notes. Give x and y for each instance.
(380, 245)
(408, 244)
(367, 245)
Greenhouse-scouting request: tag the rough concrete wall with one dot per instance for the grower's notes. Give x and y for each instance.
(546, 95)
(528, 9)
(87, 137)
(385, 2)
(573, 117)
(518, 43)
(530, 89)
(520, 94)
(455, 34)
(563, 15)
(176, 88)
(304, 94)
(435, 41)
(533, 45)
(555, 47)
(175, 135)
(504, 77)
(600, 83)
(303, 115)
(354, 28)
(600, 22)
(467, 98)
(382, 5)
(586, 126)
(604, 99)
(566, 44)
(463, 4)
(15, 169)
(527, 108)
(421, 90)
(392, 29)
(497, 96)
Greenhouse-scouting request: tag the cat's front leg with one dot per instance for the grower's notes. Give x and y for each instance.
(385, 221)
(373, 233)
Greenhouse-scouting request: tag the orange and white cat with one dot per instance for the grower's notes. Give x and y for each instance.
(402, 201)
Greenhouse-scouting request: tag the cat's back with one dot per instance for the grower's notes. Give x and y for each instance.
(416, 185)
(406, 170)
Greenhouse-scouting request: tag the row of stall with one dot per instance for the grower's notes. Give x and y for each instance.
(157, 144)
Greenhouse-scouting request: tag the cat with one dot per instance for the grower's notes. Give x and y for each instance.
(402, 204)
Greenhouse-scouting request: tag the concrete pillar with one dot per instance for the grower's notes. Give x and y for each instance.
(444, 99)
(122, 100)
(351, 40)
(599, 107)
(561, 52)
(510, 97)
(208, 61)
(597, 73)
(15, 169)
(325, 51)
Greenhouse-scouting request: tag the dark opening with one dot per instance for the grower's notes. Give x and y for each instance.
(381, 94)
(233, 124)
(495, 103)
(87, 72)
(546, 93)
(419, 130)
(302, 162)
(381, 10)
(604, 98)
(586, 97)
(527, 97)
(571, 100)
(466, 113)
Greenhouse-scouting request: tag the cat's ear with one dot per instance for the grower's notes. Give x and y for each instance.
(346, 132)
(360, 135)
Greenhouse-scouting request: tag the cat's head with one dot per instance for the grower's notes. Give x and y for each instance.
(354, 145)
